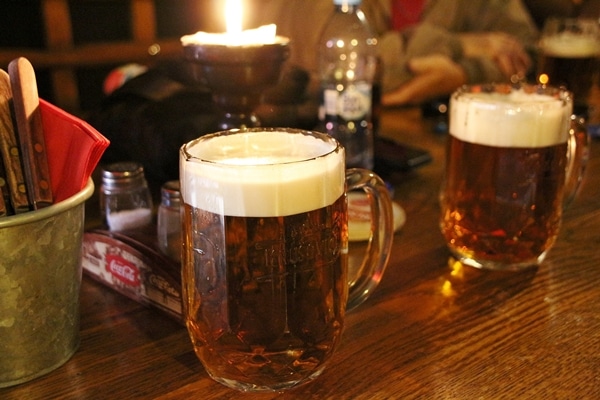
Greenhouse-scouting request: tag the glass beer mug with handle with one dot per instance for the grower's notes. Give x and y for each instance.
(514, 159)
(569, 55)
(265, 252)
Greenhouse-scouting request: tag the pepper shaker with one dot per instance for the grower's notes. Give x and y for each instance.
(169, 220)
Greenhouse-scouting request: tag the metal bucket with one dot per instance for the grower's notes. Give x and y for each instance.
(40, 278)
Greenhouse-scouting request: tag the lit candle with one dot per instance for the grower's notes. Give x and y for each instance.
(235, 36)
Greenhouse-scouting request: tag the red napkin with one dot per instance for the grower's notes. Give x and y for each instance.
(74, 149)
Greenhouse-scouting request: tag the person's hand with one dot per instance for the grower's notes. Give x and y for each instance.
(506, 51)
(433, 76)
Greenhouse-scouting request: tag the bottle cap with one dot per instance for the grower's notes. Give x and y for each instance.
(347, 2)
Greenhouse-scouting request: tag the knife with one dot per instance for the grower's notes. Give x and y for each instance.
(3, 190)
(28, 117)
(10, 151)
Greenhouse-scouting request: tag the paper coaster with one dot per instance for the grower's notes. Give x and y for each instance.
(359, 216)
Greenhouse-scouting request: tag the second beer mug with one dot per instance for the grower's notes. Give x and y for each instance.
(569, 51)
(265, 275)
(512, 156)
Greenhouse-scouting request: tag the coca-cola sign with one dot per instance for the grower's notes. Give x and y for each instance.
(123, 270)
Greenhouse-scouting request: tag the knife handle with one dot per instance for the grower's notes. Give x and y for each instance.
(9, 150)
(4, 194)
(30, 132)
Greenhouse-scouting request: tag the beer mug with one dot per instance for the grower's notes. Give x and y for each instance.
(512, 155)
(265, 252)
(569, 52)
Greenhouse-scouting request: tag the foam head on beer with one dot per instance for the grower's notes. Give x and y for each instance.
(570, 38)
(570, 45)
(261, 173)
(513, 119)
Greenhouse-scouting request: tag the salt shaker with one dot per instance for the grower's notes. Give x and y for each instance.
(125, 199)
(169, 220)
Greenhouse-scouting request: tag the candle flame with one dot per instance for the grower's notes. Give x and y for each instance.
(233, 16)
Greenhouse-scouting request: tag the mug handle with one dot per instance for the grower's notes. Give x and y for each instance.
(578, 154)
(381, 238)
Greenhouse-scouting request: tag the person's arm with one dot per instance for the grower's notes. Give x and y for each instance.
(433, 76)
(498, 34)
(504, 50)
(420, 64)
(452, 47)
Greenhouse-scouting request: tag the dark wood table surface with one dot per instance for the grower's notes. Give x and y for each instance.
(433, 329)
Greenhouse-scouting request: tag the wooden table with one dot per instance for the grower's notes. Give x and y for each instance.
(432, 329)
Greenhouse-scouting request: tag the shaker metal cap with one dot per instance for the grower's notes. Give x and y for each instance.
(123, 174)
(170, 194)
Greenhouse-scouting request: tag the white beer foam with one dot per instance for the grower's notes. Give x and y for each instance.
(242, 180)
(570, 45)
(517, 119)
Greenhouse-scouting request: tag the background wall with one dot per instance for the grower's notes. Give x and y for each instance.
(98, 36)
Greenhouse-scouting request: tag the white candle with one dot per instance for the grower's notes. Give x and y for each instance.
(235, 36)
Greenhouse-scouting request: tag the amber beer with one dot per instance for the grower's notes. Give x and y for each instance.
(502, 196)
(265, 259)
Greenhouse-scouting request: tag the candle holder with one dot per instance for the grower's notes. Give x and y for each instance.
(237, 76)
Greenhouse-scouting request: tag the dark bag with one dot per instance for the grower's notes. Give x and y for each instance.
(150, 117)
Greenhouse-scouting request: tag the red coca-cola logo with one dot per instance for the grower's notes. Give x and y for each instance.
(123, 270)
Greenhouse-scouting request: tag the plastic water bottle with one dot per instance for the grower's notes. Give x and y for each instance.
(347, 68)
